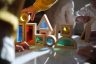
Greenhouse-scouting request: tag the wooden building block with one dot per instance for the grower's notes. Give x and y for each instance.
(40, 40)
(65, 42)
(30, 32)
(20, 32)
(66, 30)
(50, 40)
(44, 26)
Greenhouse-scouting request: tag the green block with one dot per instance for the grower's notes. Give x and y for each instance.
(65, 42)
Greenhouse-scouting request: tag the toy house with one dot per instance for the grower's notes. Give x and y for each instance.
(44, 26)
(45, 30)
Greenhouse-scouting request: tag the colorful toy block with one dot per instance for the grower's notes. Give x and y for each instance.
(66, 30)
(44, 26)
(30, 32)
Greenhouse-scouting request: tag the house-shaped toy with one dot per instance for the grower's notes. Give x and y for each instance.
(44, 26)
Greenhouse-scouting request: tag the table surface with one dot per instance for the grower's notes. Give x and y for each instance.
(58, 55)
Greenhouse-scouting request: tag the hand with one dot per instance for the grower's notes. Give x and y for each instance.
(30, 11)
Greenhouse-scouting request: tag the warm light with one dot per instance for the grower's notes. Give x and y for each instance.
(24, 17)
(65, 29)
(21, 18)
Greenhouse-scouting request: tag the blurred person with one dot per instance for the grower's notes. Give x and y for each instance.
(38, 6)
(9, 10)
(61, 13)
(89, 10)
(80, 22)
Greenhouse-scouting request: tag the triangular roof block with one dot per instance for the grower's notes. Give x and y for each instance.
(44, 23)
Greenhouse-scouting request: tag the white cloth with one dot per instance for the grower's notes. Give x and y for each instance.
(8, 50)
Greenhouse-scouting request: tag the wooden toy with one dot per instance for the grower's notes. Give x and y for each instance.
(65, 42)
(44, 26)
(20, 32)
(30, 32)
(40, 40)
(24, 17)
(50, 40)
(66, 30)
